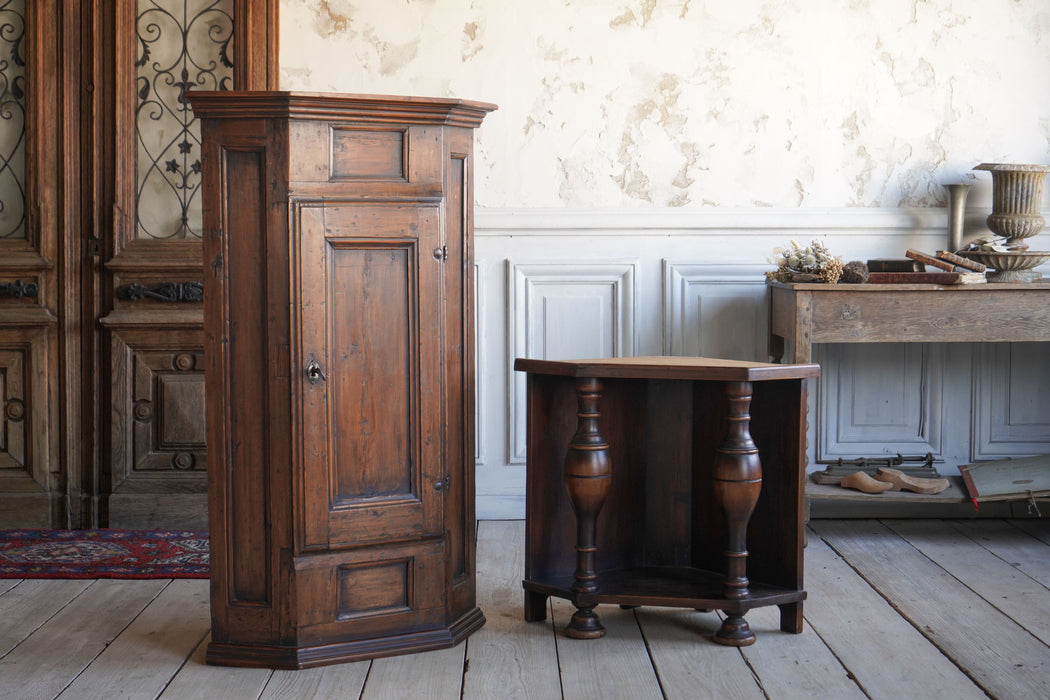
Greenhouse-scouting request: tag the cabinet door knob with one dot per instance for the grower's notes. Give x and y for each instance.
(314, 373)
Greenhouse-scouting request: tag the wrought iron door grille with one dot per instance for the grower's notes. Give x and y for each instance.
(182, 44)
(12, 119)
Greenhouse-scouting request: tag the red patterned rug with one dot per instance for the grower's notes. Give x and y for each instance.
(103, 554)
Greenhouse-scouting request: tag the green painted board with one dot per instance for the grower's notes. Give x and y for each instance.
(1008, 479)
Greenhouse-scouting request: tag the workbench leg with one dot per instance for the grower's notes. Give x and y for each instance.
(737, 482)
(791, 617)
(776, 348)
(587, 475)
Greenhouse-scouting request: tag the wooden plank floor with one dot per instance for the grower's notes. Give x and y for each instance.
(897, 608)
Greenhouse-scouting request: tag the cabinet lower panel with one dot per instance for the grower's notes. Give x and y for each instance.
(369, 592)
(321, 654)
(350, 605)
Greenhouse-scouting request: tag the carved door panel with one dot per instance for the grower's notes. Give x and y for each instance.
(101, 378)
(371, 305)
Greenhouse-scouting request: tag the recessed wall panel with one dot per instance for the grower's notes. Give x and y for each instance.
(572, 311)
(879, 398)
(715, 311)
(1011, 401)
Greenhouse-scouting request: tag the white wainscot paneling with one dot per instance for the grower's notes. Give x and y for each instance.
(574, 283)
(562, 311)
(879, 399)
(1011, 401)
(713, 310)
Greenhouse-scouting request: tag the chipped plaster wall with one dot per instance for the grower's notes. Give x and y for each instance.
(648, 154)
(704, 103)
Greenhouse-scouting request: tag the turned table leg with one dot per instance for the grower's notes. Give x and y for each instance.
(587, 475)
(737, 481)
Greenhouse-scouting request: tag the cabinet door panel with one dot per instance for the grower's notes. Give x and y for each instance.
(26, 394)
(371, 305)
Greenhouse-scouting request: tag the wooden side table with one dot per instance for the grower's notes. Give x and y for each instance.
(805, 314)
(667, 481)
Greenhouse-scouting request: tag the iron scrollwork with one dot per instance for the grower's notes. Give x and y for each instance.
(12, 119)
(181, 45)
(164, 291)
(19, 289)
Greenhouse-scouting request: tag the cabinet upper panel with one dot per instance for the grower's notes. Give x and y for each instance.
(377, 160)
(376, 155)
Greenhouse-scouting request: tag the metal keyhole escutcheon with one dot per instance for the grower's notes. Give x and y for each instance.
(314, 373)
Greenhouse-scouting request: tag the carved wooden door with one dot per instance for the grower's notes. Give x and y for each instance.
(31, 263)
(101, 368)
(371, 304)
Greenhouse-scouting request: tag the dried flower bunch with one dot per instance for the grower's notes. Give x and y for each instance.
(812, 263)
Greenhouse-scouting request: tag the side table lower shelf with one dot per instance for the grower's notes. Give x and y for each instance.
(670, 587)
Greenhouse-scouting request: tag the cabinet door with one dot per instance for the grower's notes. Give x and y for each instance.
(370, 303)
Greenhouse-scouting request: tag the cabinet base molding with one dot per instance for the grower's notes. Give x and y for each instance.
(300, 657)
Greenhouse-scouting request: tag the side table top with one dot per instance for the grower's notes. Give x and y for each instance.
(668, 367)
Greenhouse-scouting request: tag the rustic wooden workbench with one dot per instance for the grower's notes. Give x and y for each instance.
(804, 314)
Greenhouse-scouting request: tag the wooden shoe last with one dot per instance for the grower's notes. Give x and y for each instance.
(899, 481)
(862, 481)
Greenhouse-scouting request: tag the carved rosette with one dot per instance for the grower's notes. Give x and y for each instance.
(183, 461)
(184, 362)
(15, 410)
(144, 410)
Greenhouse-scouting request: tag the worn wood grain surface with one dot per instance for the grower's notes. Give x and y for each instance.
(914, 609)
(1000, 655)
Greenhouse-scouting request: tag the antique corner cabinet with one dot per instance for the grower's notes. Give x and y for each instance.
(339, 338)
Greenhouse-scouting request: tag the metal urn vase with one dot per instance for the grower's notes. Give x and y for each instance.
(1017, 193)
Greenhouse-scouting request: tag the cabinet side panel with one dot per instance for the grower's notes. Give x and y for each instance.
(550, 531)
(248, 568)
(459, 376)
(775, 534)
